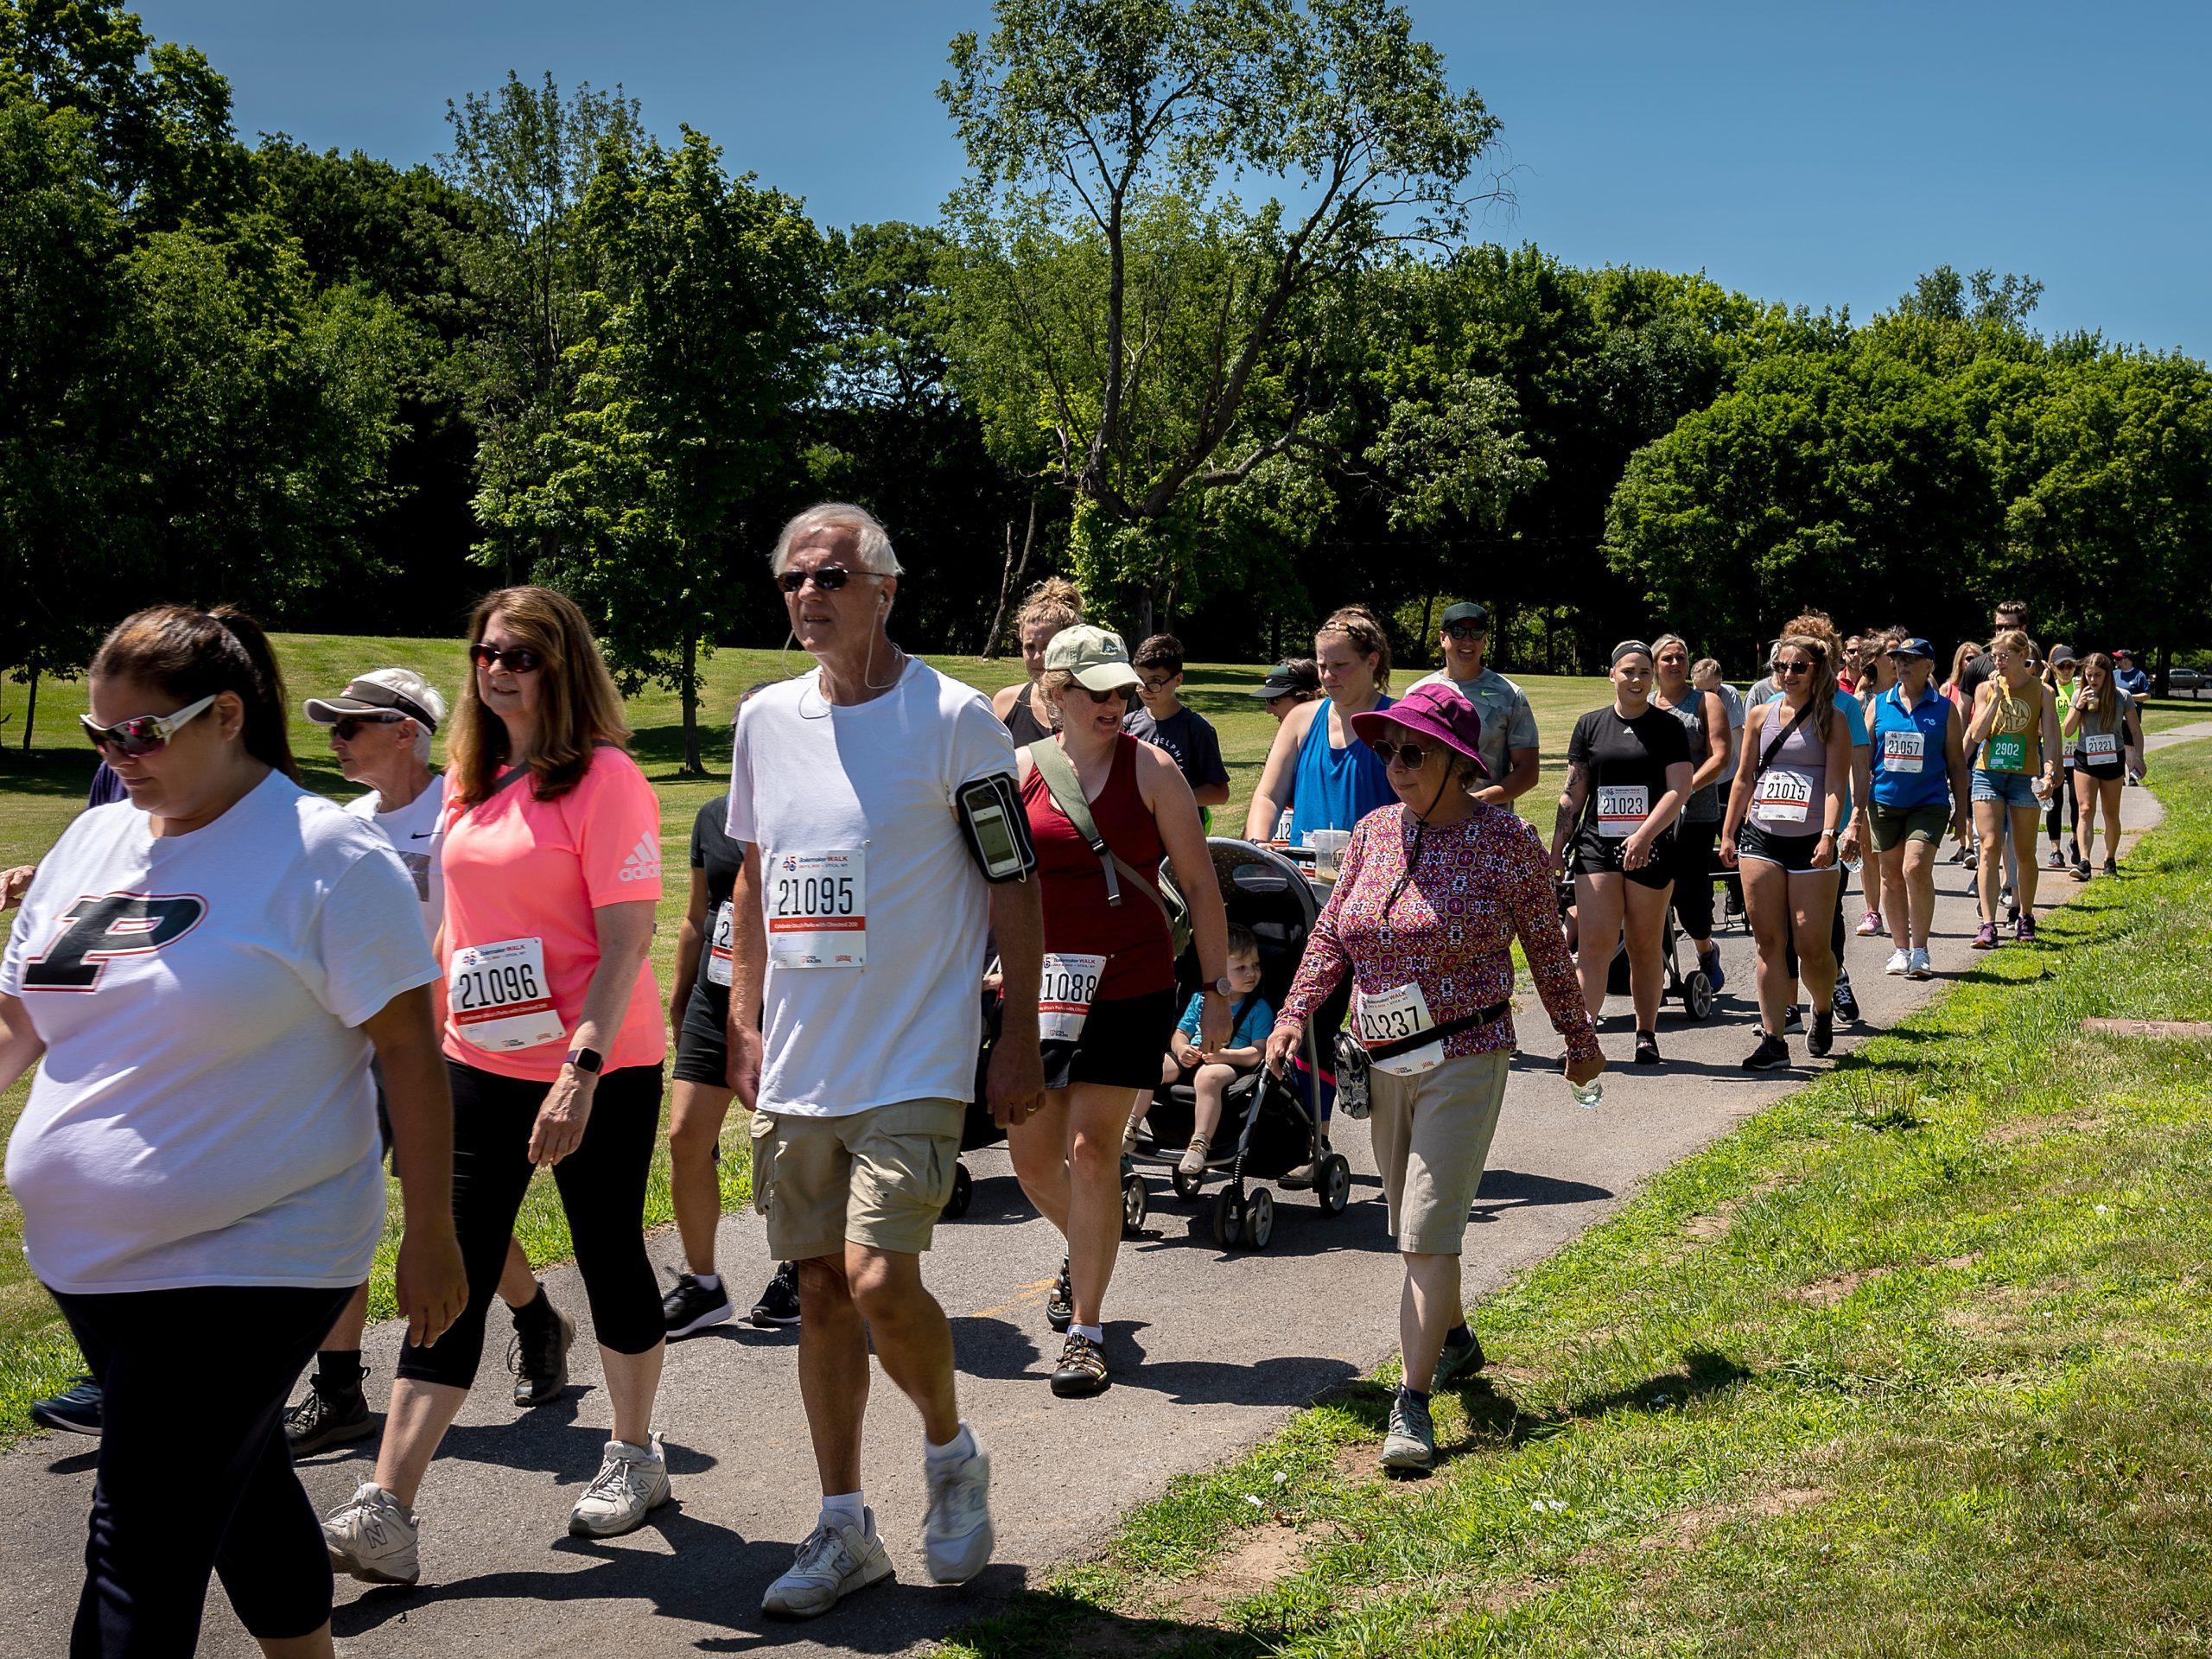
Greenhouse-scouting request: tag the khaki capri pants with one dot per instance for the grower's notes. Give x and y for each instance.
(1432, 1134)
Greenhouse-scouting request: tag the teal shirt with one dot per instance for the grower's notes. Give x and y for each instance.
(1251, 1031)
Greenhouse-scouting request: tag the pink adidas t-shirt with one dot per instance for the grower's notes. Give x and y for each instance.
(519, 868)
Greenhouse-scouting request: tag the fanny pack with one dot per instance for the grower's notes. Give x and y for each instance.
(1435, 1034)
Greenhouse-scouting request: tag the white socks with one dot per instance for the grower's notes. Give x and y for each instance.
(845, 1509)
(1095, 1333)
(961, 1446)
(708, 1280)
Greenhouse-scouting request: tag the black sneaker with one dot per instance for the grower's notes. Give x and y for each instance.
(1770, 1052)
(538, 1356)
(330, 1419)
(2112, 867)
(779, 1303)
(1060, 1306)
(77, 1409)
(689, 1306)
(1647, 1048)
(1794, 1019)
(1844, 1004)
(1823, 1036)
(1082, 1369)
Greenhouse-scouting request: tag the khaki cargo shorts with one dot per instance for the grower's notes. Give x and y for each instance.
(879, 1177)
(1432, 1134)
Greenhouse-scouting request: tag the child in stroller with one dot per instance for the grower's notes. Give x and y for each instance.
(1210, 1076)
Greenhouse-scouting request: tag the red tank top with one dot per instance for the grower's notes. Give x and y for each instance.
(1131, 936)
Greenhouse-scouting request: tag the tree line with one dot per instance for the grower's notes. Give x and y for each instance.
(1207, 324)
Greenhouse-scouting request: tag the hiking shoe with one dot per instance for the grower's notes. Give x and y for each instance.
(1985, 937)
(1410, 1442)
(1844, 1003)
(1870, 924)
(689, 1306)
(1082, 1369)
(372, 1537)
(1900, 962)
(1708, 961)
(1060, 1306)
(779, 1303)
(832, 1563)
(1823, 1037)
(1647, 1048)
(957, 1536)
(1920, 967)
(2024, 929)
(1457, 1356)
(1194, 1161)
(631, 1481)
(538, 1356)
(80, 1409)
(1770, 1052)
(329, 1418)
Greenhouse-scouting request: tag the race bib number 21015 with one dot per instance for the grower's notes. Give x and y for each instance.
(818, 909)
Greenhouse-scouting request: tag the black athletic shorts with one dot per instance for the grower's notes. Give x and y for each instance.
(1120, 1045)
(703, 1043)
(1592, 853)
(1794, 853)
(2104, 772)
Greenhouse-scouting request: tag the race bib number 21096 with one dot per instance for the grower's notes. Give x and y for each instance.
(818, 909)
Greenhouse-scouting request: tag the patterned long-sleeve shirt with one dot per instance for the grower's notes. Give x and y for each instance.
(1478, 885)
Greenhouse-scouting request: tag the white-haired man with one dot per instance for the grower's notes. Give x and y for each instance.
(380, 729)
(884, 840)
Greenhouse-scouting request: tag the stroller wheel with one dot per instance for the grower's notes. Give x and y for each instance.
(1137, 1203)
(1260, 1219)
(1697, 995)
(1227, 1218)
(1333, 1187)
(1186, 1187)
(963, 1193)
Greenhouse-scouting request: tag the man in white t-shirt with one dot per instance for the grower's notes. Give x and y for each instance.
(860, 914)
(380, 730)
(1509, 735)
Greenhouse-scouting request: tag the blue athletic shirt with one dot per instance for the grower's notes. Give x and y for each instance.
(1251, 1031)
(1898, 781)
(1334, 789)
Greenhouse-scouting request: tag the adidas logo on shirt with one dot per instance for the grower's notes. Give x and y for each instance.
(644, 862)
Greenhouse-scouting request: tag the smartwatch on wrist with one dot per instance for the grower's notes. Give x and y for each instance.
(587, 1060)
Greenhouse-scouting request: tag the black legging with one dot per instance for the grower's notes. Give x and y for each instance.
(602, 1187)
(194, 1476)
(2062, 800)
(1694, 844)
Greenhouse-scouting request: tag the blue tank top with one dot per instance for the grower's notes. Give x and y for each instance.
(1334, 789)
(1910, 766)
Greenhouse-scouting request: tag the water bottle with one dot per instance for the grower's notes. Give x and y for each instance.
(1588, 1095)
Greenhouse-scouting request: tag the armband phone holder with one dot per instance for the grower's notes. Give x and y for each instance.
(995, 828)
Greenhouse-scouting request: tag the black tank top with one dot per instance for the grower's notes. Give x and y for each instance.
(1021, 720)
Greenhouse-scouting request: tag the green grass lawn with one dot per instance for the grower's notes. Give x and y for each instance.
(1918, 1361)
(2163, 714)
(42, 791)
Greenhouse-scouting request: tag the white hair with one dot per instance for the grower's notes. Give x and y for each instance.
(420, 692)
(871, 543)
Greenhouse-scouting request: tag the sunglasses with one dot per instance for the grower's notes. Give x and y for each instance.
(350, 727)
(828, 579)
(1411, 756)
(1119, 694)
(1793, 670)
(1464, 632)
(146, 733)
(516, 659)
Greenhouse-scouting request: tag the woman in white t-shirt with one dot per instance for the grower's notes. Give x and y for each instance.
(199, 976)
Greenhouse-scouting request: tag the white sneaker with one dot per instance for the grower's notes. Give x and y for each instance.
(1900, 962)
(957, 1536)
(372, 1536)
(631, 1482)
(832, 1562)
(1920, 967)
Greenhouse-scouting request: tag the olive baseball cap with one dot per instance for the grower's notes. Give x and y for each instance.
(1096, 657)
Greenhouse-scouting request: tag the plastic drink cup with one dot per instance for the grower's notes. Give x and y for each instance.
(1328, 846)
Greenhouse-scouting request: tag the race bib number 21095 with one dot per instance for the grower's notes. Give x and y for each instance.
(818, 909)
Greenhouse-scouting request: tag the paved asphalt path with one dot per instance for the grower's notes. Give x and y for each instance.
(1211, 1352)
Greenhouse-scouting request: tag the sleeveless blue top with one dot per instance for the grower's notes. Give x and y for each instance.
(1903, 779)
(1334, 789)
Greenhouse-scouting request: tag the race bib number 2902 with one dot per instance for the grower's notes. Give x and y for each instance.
(818, 909)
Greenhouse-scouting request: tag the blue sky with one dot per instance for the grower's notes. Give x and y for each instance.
(1820, 154)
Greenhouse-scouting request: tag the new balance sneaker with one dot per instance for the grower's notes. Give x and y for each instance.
(631, 1483)
(831, 1564)
(779, 1303)
(77, 1409)
(689, 1305)
(538, 1356)
(1410, 1441)
(957, 1536)
(1920, 967)
(1900, 962)
(1060, 1306)
(372, 1537)
(330, 1415)
(1457, 1357)
(1870, 924)
(1985, 937)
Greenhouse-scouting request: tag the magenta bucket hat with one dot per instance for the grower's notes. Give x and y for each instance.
(1437, 711)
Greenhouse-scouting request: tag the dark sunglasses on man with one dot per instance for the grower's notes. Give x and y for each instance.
(144, 733)
(828, 579)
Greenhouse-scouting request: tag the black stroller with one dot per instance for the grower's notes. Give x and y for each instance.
(1271, 1127)
(1692, 990)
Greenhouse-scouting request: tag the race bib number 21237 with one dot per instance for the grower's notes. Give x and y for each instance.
(818, 909)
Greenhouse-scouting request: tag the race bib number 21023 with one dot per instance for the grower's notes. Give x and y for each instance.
(818, 909)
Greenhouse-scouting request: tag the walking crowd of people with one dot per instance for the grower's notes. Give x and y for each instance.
(239, 998)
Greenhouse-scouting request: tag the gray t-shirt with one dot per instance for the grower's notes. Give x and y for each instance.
(1509, 722)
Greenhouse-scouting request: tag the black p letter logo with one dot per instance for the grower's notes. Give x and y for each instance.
(94, 930)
